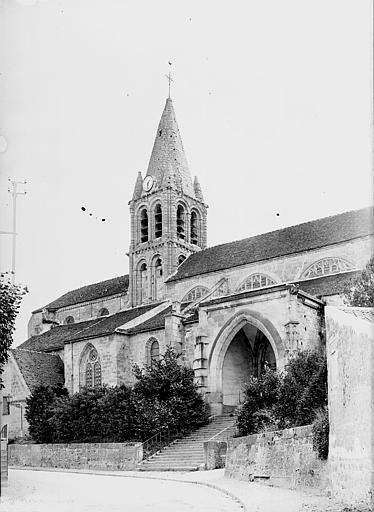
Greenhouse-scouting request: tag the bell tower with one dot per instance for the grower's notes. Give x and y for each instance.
(168, 215)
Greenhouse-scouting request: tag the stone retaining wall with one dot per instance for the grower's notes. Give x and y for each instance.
(283, 458)
(101, 456)
(215, 454)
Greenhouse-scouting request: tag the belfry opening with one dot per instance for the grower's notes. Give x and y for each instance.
(247, 356)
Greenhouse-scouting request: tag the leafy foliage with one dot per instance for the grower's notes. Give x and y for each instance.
(164, 396)
(10, 300)
(360, 293)
(39, 411)
(287, 399)
(321, 430)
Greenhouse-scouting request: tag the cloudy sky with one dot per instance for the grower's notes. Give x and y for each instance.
(273, 101)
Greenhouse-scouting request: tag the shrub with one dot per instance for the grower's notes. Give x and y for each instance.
(321, 433)
(289, 399)
(39, 411)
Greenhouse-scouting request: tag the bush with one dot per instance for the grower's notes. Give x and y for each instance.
(321, 430)
(39, 411)
(292, 398)
(164, 396)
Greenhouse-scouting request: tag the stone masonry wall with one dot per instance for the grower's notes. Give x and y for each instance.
(283, 269)
(350, 357)
(283, 458)
(101, 456)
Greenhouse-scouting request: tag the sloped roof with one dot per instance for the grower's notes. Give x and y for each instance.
(38, 368)
(168, 156)
(302, 237)
(90, 292)
(328, 285)
(152, 324)
(55, 338)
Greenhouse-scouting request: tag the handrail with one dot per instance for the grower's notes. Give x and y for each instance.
(223, 430)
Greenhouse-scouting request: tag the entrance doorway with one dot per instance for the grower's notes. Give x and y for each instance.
(246, 356)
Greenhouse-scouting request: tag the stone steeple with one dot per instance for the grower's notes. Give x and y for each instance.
(168, 152)
(168, 215)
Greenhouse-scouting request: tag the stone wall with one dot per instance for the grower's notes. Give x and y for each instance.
(283, 458)
(283, 269)
(350, 357)
(215, 454)
(101, 456)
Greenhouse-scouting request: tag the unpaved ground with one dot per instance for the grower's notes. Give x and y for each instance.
(203, 491)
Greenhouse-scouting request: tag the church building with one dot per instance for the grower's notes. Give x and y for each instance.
(228, 309)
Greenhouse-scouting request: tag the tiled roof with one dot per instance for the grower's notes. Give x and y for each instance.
(55, 338)
(153, 324)
(38, 368)
(328, 285)
(302, 237)
(90, 292)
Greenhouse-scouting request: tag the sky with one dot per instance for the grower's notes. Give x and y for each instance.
(272, 98)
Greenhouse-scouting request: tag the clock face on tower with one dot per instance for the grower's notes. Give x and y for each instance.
(148, 183)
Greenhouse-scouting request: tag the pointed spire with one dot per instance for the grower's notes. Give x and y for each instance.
(169, 179)
(138, 189)
(168, 151)
(198, 191)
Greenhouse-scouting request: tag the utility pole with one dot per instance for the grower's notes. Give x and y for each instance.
(13, 189)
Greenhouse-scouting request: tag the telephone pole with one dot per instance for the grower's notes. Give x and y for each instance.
(13, 189)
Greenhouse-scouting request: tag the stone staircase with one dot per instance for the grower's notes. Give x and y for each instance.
(187, 454)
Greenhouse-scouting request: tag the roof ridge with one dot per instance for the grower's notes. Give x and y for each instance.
(285, 227)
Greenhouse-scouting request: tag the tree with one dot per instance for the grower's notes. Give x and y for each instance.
(10, 300)
(360, 292)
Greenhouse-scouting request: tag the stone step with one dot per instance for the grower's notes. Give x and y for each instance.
(171, 468)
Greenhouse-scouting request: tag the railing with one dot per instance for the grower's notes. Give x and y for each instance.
(225, 432)
(159, 441)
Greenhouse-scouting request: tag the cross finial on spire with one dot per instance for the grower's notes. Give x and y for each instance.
(168, 76)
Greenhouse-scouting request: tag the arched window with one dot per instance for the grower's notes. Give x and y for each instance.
(181, 222)
(256, 281)
(92, 369)
(144, 225)
(327, 266)
(195, 228)
(4, 432)
(181, 259)
(69, 320)
(103, 312)
(142, 283)
(154, 352)
(157, 280)
(195, 294)
(158, 221)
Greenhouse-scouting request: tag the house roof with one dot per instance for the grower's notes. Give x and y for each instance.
(39, 368)
(90, 292)
(152, 324)
(302, 237)
(328, 285)
(55, 338)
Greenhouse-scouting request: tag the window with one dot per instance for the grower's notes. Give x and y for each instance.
(154, 352)
(194, 228)
(256, 281)
(157, 280)
(144, 225)
(158, 221)
(4, 432)
(69, 320)
(180, 222)
(181, 259)
(195, 294)
(142, 282)
(6, 405)
(93, 369)
(327, 266)
(103, 312)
